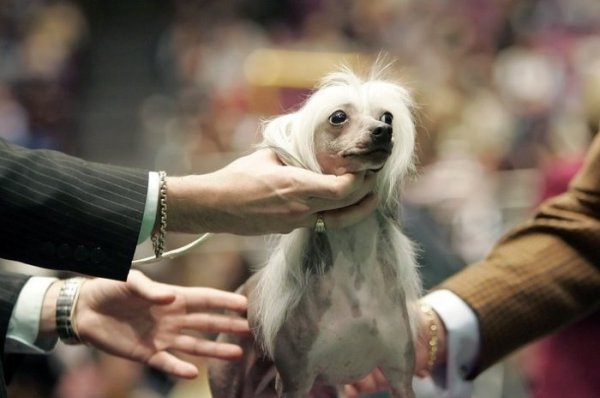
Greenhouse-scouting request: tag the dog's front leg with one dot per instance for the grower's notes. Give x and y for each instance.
(294, 379)
(399, 363)
(398, 368)
(293, 386)
(400, 382)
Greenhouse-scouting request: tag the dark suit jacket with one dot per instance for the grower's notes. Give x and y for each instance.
(10, 286)
(542, 275)
(63, 213)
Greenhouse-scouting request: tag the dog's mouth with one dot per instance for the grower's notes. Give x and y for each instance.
(368, 152)
(376, 155)
(373, 158)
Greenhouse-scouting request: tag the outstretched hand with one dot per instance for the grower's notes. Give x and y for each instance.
(257, 194)
(147, 321)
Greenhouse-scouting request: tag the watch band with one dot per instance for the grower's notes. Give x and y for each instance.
(65, 305)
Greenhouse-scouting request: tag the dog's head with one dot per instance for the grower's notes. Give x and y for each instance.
(350, 125)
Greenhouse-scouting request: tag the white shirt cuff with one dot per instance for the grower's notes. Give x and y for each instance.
(150, 207)
(24, 324)
(462, 343)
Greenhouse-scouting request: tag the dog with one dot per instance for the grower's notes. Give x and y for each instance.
(331, 305)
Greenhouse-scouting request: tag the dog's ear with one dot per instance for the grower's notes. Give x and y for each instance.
(288, 135)
(277, 135)
(277, 131)
(401, 162)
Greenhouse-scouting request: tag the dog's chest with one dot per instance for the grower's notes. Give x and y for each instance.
(349, 316)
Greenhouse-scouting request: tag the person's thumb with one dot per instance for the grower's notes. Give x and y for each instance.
(147, 289)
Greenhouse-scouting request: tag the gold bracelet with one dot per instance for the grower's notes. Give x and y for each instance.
(158, 238)
(432, 345)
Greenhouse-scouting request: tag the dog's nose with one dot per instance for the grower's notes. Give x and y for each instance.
(381, 135)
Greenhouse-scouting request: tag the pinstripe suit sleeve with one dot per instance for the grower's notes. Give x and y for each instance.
(542, 275)
(61, 212)
(10, 287)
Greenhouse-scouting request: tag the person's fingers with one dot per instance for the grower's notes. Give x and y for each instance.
(216, 324)
(374, 382)
(380, 380)
(259, 157)
(341, 218)
(329, 187)
(321, 191)
(366, 385)
(270, 155)
(202, 298)
(146, 288)
(344, 195)
(350, 391)
(169, 363)
(197, 346)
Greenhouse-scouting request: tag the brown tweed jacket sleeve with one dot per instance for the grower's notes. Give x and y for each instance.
(61, 212)
(542, 275)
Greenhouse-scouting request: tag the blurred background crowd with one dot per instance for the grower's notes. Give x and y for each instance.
(507, 97)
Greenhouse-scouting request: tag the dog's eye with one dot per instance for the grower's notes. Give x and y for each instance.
(338, 117)
(387, 118)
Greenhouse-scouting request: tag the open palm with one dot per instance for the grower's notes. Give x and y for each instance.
(149, 322)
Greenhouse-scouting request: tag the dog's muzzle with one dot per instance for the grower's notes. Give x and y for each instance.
(382, 135)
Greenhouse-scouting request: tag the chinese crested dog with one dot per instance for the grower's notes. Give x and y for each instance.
(331, 305)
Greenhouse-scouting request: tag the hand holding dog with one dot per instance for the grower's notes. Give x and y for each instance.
(376, 382)
(144, 321)
(257, 194)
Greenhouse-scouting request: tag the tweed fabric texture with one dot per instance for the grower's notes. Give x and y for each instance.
(542, 275)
